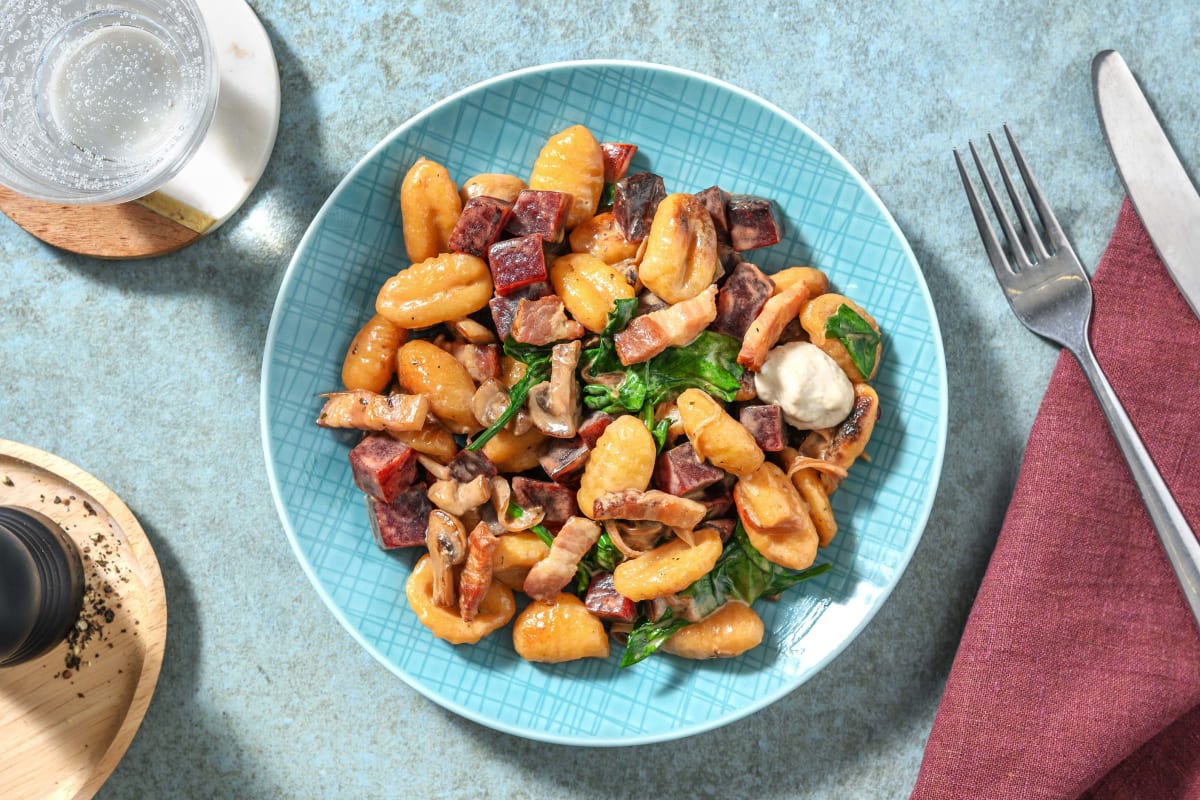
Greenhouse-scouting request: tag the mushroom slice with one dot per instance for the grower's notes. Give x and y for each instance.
(523, 521)
(489, 402)
(554, 404)
(471, 331)
(447, 542)
(458, 497)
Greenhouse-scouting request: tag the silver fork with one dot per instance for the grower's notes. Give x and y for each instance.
(1049, 291)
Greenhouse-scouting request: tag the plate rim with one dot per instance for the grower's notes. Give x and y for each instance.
(921, 518)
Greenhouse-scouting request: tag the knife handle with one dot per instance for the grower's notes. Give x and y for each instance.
(1183, 551)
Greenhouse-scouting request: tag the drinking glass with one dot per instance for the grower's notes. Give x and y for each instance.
(101, 102)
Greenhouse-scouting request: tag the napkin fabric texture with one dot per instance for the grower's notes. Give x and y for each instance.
(1078, 674)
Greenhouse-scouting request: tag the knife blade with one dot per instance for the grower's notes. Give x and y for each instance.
(1157, 184)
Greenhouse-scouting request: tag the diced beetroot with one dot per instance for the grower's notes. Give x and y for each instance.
(556, 500)
(635, 199)
(504, 309)
(591, 428)
(714, 199)
(752, 222)
(540, 213)
(401, 523)
(724, 527)
(719, 502)
(617, 156)
(740, 299)
(383, 467)
(603, 600)
(479, 226)
(765, 424)
(517, 262)
(679, 471)
(470, 464)
(564, 459)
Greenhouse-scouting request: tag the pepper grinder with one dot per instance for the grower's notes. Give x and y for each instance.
(41, 585)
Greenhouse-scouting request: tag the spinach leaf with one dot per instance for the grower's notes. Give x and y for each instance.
(603, 357)
(648, 636)
(537, 369)
(741, 573)
(856, 335)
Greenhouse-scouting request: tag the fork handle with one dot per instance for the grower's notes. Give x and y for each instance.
(1183, 550)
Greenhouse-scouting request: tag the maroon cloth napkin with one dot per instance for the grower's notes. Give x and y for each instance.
(1078, 674)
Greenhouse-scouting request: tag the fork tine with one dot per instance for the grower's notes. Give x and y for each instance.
(1031, 234)
(1014, 244)
(986, 232)
(1049, 221)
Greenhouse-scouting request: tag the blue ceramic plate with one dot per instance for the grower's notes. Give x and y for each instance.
(695, 132)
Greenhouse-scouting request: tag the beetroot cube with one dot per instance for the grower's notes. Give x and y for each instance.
(635, 199)
(603, 600)
(740, 299)
(714, 199)
(679, 471)
(556, 500)
(590, 429)
(479, 226)
(765, 424)
(383, 467)
(718, 501)
(723, 527)
(564, 459)
(617, 156)
(401, 523)
(517, 262)
(752, 222)
(540, 213)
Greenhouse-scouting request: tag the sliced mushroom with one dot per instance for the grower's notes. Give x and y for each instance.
(459, 497)
(489, 402)
(446, 539)
(554, 404)
(633, 539)
(526, 519)
(471, 331)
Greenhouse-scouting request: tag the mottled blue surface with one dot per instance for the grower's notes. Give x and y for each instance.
(147, 375)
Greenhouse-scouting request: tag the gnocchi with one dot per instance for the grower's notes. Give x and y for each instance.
(680, 258)
(589, 288)
(571, 162)
(439, 289)
(668, 568)
(370, 361)
(495, 610)
(429, 207)
(622, 459)
(729, 631)
(424, 368)
(559, 629)
(715, 435)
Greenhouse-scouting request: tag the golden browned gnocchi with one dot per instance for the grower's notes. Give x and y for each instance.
(622, 459)
(729, 631)
(715, 435)
(424, 368)
(601, 237)
(589, 288)
(429, 207)
(492, 184)
(680, 259)
(815, 315)
(557, 630)
(495, 611)
(439, 289)
(571, 162)
(370, 361)
(668, 568)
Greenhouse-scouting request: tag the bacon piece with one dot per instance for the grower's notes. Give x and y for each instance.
(517, 262)
(674, 326)
(672, 511)
(476, 576)
(742, 297)
(368, 411)
(556, 501)
(540, 213)
(400, 523)
(635, 199)
(504, 309)
(603, 600)
(540, 322)
(769, 324)
(547, 577)
(617, 156)
(482, 361)
(752, 222)
(479, 226)
(679, 471)
(383, 467)
(765, 424)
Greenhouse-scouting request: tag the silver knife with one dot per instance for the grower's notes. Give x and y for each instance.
(1155, 180)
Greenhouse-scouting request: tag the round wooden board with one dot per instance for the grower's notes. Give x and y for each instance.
(126, 230)
(63, 730)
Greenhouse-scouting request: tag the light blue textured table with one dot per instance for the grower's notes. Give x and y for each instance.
(147, 375)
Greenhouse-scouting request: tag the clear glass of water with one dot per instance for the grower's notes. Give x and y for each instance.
(101, 102)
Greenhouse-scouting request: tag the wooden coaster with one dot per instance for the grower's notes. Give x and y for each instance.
(67, 718)
(218, 178)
